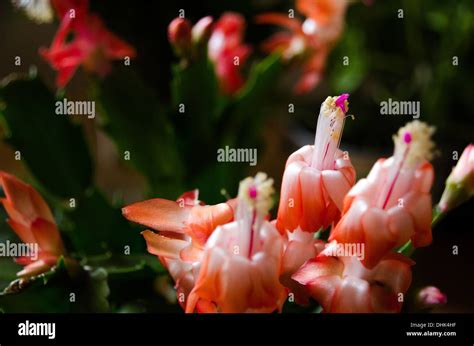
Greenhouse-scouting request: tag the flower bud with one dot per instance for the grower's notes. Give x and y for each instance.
(460, 183)
(431, 296)
(179, 35)
(202, 30)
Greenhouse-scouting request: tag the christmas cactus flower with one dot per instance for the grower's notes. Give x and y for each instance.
(460, 183)
(242, 259)
(184, 227)
(393, 204)
(228, 52)
(341, 284)
(92, 46)
(317, 177)
(310, 39)
(33, 222)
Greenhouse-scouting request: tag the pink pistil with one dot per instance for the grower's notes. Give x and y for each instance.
(252, 192)
(340, 102)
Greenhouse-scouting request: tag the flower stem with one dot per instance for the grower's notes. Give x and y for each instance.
(407, 249)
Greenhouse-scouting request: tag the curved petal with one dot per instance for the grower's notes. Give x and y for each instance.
(163, 246)
(312, 201)
(378, 239)
(336, 186)
(159, 214)
(290, 208)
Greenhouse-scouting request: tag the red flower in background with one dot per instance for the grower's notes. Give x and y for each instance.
(227, 51)
(225, 47)
(92, 45)
(33, 222)
(311, 39)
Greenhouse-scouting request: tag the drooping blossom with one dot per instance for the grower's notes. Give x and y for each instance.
(299, 247)
(228, 52)
(431, 296)
(241, 265)
(310, 39)
(393, 204)
(31, 219)
(317, 177)
(184, 227)
(460, 183)
(92, 45)
(341, 284)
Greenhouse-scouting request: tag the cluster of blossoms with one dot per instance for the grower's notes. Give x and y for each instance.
(223, 41)
(230, 257)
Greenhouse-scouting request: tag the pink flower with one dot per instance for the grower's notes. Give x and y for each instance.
(460, 183)
(184, 227)
(227, 51)
(393, 204)
(341, 284)
(311, 39)
(92, 46)
(33, 222)
(431, 296)
(317, 177)
(241, 265)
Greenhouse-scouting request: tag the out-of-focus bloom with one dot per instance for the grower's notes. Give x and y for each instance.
(33, 222)
(179, 36)
(431, 296)
(92, 46)
(393, 204)
(460, 183)
(202, 30)
(311, 39)
(241, 266)
(38, 10)
(184, 227)
(189, 41)
(341, 284)
(299, 247)
(317, 177)
(228, 52)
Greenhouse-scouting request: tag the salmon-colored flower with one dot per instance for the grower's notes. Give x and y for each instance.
(341, 284)
(241, 265)
(33, 222)
(311, 39)
(228, 52)
(460, 183)
(184, 227)
(92, 46)
(393, 204)
(317, 177)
